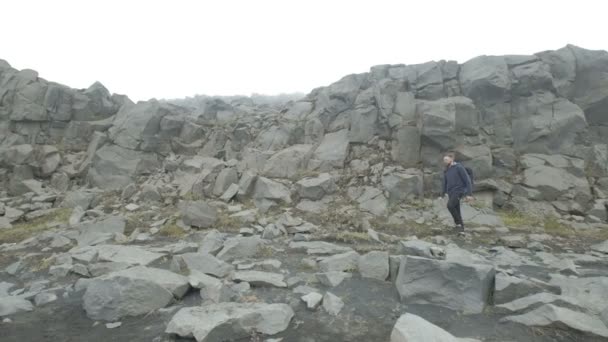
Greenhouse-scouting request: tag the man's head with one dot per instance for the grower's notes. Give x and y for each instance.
(448, 158)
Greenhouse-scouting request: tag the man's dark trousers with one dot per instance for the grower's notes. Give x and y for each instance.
(454, 207)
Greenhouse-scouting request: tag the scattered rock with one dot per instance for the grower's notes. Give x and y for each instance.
(198, 214)
(10, 305)
(374, 265)
(201, 262)
(454, 285)
(319, 247)
(551, 315)
(332, 304)
(340, 262)
(258, 278)
(240, 248)
(312, 300)
(241, 320)
(132, 292)
(332, 279)
(410, 327)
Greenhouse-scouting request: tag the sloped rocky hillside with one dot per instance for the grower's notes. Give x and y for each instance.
(312, 219)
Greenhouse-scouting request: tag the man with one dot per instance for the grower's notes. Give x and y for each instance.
(456, 184)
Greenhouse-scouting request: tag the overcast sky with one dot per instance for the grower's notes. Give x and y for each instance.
(170, 49)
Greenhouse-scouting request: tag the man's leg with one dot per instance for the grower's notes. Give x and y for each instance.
(454, 208)
(460, 223)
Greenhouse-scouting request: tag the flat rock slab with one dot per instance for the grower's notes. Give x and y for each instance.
(551, 315)
(258, 278)
(131, 255)
(132, 292)
(201, 262)
(538, 299)
(508, 288)
(230, 321)
(10, 305)
(319, 247)
(411, 328)
(457, 286)
(101, 231)
(601, 247)
(240, 248)
(348, 261)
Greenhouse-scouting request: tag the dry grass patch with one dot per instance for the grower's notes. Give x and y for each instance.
(172, 229)
(27, 229)
(226, 223)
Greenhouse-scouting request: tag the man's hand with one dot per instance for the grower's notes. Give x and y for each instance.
(469, 198)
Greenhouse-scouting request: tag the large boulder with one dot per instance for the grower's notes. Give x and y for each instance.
(315, 188)
(143, 126)
(230, 320)
(410, 327)
(132, 292)
(402, 185)
(550, 315)
(113, 167)
(288, 162)
(100, 232)
(454, 285)
(544, 124)
(200, 262)
(198, 214)
(331, 153)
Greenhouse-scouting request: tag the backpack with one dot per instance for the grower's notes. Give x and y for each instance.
(470, 173)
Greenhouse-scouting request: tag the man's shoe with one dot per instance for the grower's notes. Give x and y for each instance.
(459, 229)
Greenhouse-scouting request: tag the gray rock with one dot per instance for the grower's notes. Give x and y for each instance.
(422, 249)
(332, 279)
(550, 315)
(212, 243)
(200, 262)
(113, 167)
(601, 247)
(150, 193)
(340, 262)
(198, 214)
(132, 255)
(99, 269)
(508, 288)
(538, 299)
(410, 327)
(5, 223)
(312, 300)
(100, 232)
(332, 304)
(224, 180)
(454, 285)
(258, 278)
(287, 163)
(271, 190)
(240, 248)
(403, 185)
(513, 241)
(315, 188)
(319, 247)
(10, 305)
(212, 289)
(44, 298)
(374, 265)
(132, 292)
(242, 319)
(332, 151)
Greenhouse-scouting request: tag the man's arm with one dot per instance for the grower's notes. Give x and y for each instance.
(465, 178)
(445, 185)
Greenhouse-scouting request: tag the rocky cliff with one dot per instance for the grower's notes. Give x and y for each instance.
(533, 128)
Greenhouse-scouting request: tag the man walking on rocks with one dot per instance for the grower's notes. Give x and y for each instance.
(456, 184)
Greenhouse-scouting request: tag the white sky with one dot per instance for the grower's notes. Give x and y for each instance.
(169, 49)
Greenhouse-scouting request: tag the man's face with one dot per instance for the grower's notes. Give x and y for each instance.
(447, 160)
